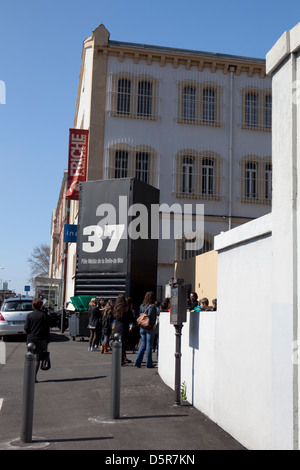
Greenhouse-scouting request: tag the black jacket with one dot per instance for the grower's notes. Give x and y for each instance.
(37, 326)
(94, 317)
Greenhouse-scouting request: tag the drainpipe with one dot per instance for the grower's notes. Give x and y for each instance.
(231, 70)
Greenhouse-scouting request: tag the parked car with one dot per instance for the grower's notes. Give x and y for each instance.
(13, 314)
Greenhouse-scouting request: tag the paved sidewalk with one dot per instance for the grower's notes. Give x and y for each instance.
(72, 406)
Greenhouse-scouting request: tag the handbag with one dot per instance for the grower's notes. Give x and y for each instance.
(46, 362)
(144, 321)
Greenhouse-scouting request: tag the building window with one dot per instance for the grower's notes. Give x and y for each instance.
(187, 175)
(181, 247)
(138, 162)
(251, 109)
(209, 105)
(189, 103)
(134, 97)
(268, 111)
(268, 181)
(144, 107)
(199, 103)
(123, 98)
(121, 164)
(207, 177)
(251, 180)
(256, 177)
(256, 110)
(142, 166)
(197, 175)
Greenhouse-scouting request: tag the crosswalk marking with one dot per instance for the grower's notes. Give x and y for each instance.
(1, 403)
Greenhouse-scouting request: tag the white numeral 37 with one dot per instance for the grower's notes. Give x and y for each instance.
(95, 234)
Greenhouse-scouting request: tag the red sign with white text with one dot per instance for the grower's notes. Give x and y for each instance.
(77, 169)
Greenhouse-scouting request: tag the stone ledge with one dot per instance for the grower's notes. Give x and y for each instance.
(279, 52)
(257, 228)
(287, 44)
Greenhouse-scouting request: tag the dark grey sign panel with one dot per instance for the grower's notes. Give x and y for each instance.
(116, 252)
(102, 244)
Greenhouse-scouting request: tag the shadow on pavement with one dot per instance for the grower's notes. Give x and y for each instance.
(77, 379)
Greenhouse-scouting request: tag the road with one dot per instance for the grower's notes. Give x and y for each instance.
(72, 406)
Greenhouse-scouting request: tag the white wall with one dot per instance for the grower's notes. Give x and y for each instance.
(254, 382)
(226, 355)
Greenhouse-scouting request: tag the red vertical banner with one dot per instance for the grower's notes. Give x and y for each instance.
(77, 168)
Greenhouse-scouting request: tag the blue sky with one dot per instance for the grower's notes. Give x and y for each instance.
(40, 54)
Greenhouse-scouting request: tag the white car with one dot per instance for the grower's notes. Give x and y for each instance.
(13, 314)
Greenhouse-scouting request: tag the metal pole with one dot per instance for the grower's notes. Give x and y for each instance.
(116, 377)
(28, 394)
(62, 320)
(178, 329)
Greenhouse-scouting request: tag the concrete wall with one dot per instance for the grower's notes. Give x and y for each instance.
(250, 346)
(226, 355)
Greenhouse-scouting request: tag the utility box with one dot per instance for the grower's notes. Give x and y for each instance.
(178, 302)
(117, 246)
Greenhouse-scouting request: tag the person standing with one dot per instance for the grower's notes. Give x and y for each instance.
(107, 320)
(123, 318)
(94, 319)
(37, 327)
(147, 335)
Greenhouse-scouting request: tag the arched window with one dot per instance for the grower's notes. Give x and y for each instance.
(142, 166)
(207, 187)
(121, 164)
(251, 180)
(187, 182)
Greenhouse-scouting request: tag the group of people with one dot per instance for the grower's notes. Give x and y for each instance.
(203, 304)
(111, 317)
(108, 318)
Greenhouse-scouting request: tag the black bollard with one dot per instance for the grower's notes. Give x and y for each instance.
(178, 330)
(28, 394)
(116, 377)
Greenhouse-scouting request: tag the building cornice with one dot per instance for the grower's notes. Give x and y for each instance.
(187, 58)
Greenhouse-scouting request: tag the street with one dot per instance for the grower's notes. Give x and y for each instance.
(72, 406)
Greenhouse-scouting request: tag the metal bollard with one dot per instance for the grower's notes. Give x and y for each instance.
(116, 377)
(28, 394)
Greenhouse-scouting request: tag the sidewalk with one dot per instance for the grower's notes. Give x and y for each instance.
(72, 406)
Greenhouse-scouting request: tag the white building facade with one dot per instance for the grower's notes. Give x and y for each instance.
(195, 125)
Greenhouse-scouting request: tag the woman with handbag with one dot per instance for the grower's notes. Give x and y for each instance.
(146, 321)
(37, 327)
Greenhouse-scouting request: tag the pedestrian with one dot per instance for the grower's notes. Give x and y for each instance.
(204, 303)
(107, 320)
(123, 318)
(193, 301)
(99, 333)
(94, 319)
(147, 335)
(37, 327)
(156, 328)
